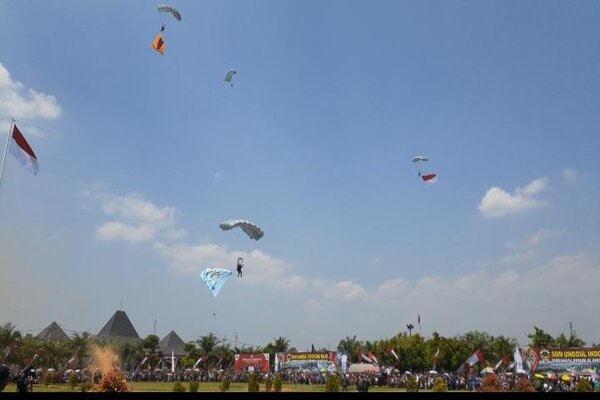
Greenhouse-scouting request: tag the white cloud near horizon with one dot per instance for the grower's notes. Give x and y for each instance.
(447, 304)
(499, 203)
(18, 102)
(570, 175)
(144, 220)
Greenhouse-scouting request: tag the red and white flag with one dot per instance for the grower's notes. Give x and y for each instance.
(23, 152)
(429, 178)
(373, 359)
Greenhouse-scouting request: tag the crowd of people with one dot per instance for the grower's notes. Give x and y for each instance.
(349, 381)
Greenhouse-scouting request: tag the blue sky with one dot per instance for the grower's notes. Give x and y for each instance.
(142, 156)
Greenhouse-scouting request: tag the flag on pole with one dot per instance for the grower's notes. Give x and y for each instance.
(172, 361)
(436, 356)
(472, 360)
(419, 321)
(518, 361)
(22, 151)
(158, 44)
(394, 354)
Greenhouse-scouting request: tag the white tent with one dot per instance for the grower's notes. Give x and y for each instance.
(364, 367)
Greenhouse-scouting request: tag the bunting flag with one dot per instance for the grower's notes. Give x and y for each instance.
(158, 44)
(518, 360)
(472, 360)
(436, 356)
(373, 359)
(394, 354)
(367, 359)
(23, 152)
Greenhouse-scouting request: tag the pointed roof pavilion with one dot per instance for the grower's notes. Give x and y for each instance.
(53, 332)
(119, 328)
(172, 342)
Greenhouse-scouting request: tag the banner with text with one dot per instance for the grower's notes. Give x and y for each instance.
(563, 359)
(251, 362)
(312, 361)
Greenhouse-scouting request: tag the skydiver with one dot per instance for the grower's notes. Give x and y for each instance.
(240, 265)
(162, 27)
(419, 174)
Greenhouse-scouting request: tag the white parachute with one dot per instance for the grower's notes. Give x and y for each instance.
(165, 8)
(251, 229)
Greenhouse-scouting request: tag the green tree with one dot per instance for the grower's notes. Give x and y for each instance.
(207, 345)
(540, 339)
(277, 383)
(150, 343)
(333, 383)
(9, 337)
(253, 384)
(281, 344)
(350, 346)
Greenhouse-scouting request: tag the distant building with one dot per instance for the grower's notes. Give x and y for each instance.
(53, 333)
(172, 344)
(120, 329)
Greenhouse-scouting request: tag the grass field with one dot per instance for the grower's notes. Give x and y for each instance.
(204, 387)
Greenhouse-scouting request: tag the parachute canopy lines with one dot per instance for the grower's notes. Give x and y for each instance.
(165, 8)
(252, 230)
(229, 76)
(215, 278)
(427, 178)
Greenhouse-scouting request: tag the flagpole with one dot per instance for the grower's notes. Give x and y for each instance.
(12, 122)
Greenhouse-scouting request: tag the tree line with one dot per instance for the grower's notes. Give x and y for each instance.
(415, 352)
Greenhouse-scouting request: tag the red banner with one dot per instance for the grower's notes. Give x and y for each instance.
(252, 362)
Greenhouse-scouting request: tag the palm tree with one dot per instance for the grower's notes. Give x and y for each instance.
(281, 345)
(208, 345)
(9, 337)
(350, 346)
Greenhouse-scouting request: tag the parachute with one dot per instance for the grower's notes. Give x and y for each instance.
(251, 229)
(427, 178)
(230, 75)
(165, 8)
(215, 278)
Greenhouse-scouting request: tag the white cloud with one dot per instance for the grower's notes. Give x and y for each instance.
(135, 208)
(343, 290)
(527, 250)
(570, 175)
(499, 203)
(541, 235)
(19, 102)
(518, 300)
(118, 230)
(144, 221)
(260, 268)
